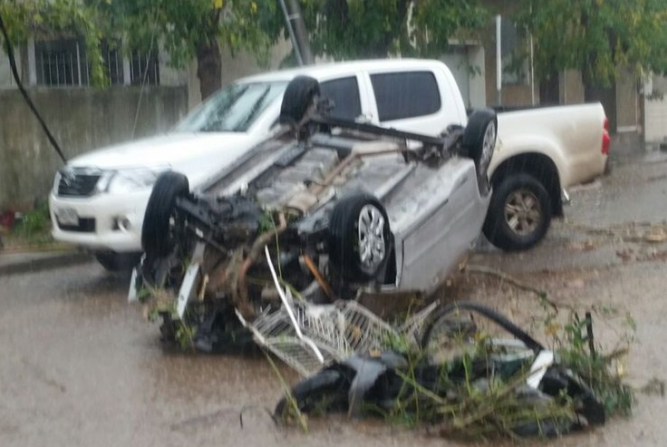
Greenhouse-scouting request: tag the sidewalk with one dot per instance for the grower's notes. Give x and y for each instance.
(35, 261)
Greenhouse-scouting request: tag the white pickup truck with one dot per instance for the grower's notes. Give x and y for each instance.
(99, 199)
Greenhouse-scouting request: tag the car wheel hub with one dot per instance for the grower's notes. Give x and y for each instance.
(488, 144)
(523, 213)
(371, 237)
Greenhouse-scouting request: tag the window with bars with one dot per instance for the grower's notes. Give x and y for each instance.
(144, 68)
(113, 62)
(64, 63)
(61, 62)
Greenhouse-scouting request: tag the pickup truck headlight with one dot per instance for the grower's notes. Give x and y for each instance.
(131, 180)
(56, 182)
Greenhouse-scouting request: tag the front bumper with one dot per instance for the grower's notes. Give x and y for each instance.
(105, 222)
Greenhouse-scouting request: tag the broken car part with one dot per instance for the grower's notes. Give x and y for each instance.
(384, 382)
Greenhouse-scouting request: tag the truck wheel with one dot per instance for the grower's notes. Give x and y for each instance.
(117, 262)
(359, 237)
(479, 142)
(156, 238)
(299, 96)
(519, 214)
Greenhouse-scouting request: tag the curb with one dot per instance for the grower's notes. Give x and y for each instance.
(40, 261)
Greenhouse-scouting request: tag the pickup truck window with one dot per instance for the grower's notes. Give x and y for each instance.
(234, 108)
(344, 93)
(405, 95)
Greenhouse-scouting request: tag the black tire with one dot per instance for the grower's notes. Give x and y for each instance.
(443, 311)
(531, 223)
(117, 262)
(299, 95)
(478, 143)
(156, 238)
(345, 237)
(326, 391)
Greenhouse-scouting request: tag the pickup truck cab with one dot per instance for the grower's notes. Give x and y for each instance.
(99, 199)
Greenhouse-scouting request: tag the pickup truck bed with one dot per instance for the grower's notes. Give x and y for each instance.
(540, 152)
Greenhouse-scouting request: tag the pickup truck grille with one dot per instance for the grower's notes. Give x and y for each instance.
(74, 184)
(85, 225)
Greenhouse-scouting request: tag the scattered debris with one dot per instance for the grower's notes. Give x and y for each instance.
(635, 232)
(654, 386)
(541, 294)
(512, 387)
(656, 237)
(587, 245)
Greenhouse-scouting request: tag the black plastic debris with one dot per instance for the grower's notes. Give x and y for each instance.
(557, 400)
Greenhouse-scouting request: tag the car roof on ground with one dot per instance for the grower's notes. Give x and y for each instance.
(335, 69)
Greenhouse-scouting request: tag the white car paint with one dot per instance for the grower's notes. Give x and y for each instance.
(569, 135)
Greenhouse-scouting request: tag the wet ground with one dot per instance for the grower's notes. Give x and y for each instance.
(81, 367)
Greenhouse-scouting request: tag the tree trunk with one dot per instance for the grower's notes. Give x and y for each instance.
(550, 90)
(209, 68)
(594, 92)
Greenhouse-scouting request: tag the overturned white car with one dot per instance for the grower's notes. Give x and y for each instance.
(343, 209)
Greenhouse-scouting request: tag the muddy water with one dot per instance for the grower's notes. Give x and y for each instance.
(80, 367)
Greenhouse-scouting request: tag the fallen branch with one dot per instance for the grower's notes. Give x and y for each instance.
(541, 294)
(240, 296)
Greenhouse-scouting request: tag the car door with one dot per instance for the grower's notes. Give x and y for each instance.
(349, 96)
(411, 100)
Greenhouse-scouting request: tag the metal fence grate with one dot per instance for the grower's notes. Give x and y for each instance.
(113, 61)
(63, 62)
(144, 66)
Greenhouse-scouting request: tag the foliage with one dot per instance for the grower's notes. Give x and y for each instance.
(356, 28)
(576, 351)
(33, 227)
(45, 18)
(185, 25)
(184, 28)
(596, 36)
(478, 390)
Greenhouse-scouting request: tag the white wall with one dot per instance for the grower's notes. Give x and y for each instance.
(6, 78)
(464, 61)
(655, 111)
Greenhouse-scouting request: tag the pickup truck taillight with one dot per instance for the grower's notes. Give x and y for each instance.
(606, 140)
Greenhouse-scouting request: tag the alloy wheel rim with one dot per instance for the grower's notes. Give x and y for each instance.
(488, 144)
(372, 246)
(523, 213)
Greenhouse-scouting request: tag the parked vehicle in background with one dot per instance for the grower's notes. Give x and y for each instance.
(540, 153)
(99, 199)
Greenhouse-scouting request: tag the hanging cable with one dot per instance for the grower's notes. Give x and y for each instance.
(145, 75)
(15, 74)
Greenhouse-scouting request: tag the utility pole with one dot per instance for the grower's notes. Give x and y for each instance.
(297, 31)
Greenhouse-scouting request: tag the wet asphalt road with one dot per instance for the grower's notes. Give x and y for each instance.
(81, 367)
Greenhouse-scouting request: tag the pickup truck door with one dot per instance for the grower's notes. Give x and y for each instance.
(415, 100)
(350, 97)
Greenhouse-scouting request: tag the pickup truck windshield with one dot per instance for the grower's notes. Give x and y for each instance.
(234, 108)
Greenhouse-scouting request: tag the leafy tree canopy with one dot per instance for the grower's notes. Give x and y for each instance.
(597, 36)
(345, 29)
(186, 28)
(43, 18)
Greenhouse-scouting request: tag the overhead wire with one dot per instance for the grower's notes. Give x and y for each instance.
(145, 76)
(24, 93)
